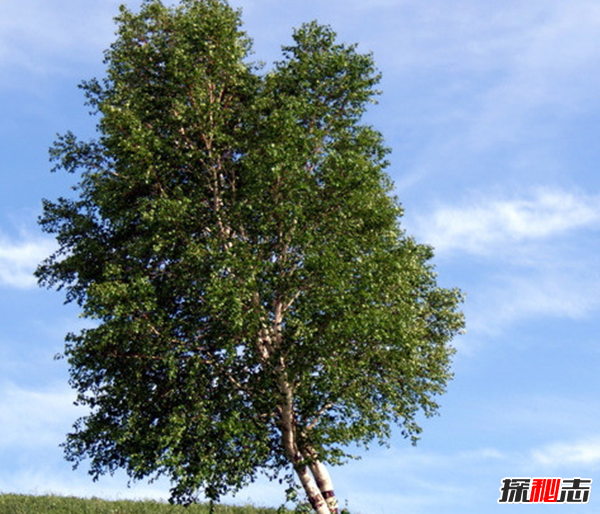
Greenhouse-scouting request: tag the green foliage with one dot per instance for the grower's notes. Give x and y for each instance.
(234, 240)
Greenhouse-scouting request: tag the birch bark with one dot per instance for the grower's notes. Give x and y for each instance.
(313, 475)
(310, 486)
(324, 482)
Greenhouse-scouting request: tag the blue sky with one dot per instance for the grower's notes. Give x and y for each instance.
(490, 109)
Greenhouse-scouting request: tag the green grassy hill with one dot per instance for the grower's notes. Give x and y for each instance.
(20, 504)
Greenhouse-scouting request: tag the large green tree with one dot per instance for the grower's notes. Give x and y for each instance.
(256, 304)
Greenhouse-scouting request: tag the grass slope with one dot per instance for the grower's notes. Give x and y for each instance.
(20, 504)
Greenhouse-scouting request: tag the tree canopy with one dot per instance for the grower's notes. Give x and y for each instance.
(257, 306)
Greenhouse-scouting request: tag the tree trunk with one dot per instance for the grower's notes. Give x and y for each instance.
(312, 474)
(325, 486)
(310, 486)
(323, 480)
(311, 489)
(288, 433)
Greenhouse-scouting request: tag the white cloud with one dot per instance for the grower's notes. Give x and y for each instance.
(59, 479)
(39, 37)
(482, 454)
(543, 415)
(576, 453)
(487, 225)
(412, 479)
(496, 302)
(487, 91)
(546, 73)
(533, 254)
(18, 259)
(526, 46)
(34, 418)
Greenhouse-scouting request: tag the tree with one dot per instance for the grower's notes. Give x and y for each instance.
(257, 305)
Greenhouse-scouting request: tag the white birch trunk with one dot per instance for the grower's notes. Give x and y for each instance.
(309, 480)
(310, 486)
(288, 432)
(313, 492)
(324, 482)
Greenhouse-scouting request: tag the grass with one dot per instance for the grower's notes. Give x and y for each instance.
(21, 504)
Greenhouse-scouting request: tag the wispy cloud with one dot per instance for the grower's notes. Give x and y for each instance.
(420, 481)
(57, 478)
(485, 92)
(34, 418)
(540, 416)
(39, 37)
(19, 258)
(546, 72)
(533, 253)
(577, 453)
(501, 300)
(489, 224)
